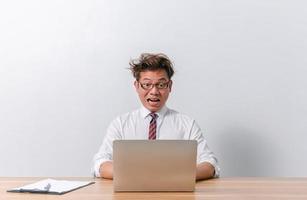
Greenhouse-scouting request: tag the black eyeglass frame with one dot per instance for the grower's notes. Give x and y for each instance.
(159, 86)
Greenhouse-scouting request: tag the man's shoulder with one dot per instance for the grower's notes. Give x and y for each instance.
(178, 115)
(127, 115)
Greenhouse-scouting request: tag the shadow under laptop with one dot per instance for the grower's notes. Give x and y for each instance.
(156, 195)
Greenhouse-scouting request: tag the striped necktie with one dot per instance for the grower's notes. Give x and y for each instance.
(152, 126)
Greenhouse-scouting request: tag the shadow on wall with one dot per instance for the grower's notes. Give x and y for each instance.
(245, 153)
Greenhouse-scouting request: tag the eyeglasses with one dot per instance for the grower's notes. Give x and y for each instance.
(149, 86)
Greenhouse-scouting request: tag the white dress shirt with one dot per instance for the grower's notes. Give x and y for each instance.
(171, 125)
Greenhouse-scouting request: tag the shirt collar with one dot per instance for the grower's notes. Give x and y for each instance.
(145, 112)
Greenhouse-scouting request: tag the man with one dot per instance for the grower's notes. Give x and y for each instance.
(153, 73)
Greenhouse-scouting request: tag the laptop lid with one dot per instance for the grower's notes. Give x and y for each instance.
(154, 165)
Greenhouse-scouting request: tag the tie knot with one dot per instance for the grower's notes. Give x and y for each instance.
(153, 116)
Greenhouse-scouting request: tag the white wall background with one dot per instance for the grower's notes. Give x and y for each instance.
(240, 72)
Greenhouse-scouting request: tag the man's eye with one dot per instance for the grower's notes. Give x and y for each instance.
(147, 85)
(161, 85)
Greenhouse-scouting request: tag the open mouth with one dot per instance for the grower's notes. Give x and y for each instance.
(153, 100)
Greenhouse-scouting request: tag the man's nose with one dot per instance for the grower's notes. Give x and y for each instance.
(154, 90)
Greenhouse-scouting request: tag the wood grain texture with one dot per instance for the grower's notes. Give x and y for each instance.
(222, 188)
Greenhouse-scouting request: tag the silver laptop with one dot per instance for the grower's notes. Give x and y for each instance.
(154, 165)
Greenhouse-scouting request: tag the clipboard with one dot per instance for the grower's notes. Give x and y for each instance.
(51, 186)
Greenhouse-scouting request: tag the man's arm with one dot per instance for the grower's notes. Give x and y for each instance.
(204, 170)
(106, 170)
(207, 167)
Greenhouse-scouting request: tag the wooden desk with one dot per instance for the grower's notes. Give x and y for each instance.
(222, 188)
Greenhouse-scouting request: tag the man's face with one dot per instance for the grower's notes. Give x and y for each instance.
(153, 89)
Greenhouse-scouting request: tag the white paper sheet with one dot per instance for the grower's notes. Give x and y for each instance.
(51, 186)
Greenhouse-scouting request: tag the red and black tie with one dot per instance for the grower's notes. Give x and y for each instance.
(153, 126)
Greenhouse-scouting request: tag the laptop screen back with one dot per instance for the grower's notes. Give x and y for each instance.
(154, 165)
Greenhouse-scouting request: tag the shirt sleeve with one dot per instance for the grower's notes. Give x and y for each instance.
(105, 152)
(204, 154)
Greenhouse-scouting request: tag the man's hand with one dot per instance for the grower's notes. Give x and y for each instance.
(204, 171)
(106, 170)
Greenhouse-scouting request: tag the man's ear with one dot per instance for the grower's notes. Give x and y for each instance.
(170, 84)
(136, 84)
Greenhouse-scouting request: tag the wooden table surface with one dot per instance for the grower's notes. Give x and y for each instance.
(222, 188)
